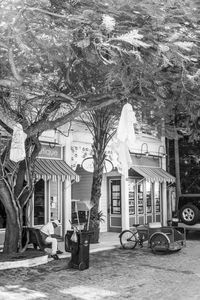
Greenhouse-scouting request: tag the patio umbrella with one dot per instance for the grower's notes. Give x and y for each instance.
(125, 138)
(17, 150)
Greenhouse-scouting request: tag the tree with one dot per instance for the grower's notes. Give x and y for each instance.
(54, 59)
(57, 56)
(41, 86)
(159, 83)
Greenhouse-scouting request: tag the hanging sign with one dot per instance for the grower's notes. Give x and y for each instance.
(88, 165)
(50, 151)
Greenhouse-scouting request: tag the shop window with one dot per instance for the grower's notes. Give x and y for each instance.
(115, 197)
(131, 195)
(2, 216)
(39, 203)
(157, 196)
(148, 198)
(140, 198)
(54, 208)
(55, 204)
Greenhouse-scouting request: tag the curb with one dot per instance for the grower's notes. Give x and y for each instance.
(25, 263)
(33, 262)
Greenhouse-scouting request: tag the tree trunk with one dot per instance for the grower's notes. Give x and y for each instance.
(177, 171)
(96, 192)
(11, 243)
(102, 128)
(15, 192)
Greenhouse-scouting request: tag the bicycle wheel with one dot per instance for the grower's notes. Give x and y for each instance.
(128, 239)
(159, 243)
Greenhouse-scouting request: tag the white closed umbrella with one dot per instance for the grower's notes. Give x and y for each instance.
(125, 138)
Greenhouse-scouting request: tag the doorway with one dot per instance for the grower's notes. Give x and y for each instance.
(114, 204)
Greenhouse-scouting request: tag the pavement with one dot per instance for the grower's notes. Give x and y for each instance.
(114, 273)
(107, 241)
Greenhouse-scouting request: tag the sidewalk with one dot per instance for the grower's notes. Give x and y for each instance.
(107, 241)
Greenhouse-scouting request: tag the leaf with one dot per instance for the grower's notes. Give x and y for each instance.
(185, 45)
(174, 37)
(163, 47)
(84, 43)
(132, 38)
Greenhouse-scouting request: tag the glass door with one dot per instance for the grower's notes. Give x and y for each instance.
(114, 209)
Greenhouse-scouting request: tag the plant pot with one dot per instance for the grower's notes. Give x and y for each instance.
(94, 239)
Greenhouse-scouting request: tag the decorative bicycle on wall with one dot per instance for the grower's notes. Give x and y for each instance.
(160, 239)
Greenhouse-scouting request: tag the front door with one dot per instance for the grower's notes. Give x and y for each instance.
(114, 205)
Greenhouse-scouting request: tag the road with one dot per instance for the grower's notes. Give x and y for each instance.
(114, 274)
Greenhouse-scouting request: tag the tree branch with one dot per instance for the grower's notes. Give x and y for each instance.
(6, 127)
(43, 125)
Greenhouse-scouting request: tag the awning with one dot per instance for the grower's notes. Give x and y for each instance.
(51, 169)
(154, 174)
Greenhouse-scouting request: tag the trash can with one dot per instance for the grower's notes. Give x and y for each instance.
(79, 250)
(68, 241)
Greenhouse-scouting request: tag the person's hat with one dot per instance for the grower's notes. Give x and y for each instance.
(55, 222)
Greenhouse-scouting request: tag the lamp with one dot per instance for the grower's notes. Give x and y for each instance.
(162, 152)
(146, 152)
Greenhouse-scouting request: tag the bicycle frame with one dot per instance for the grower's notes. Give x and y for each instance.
(160, 238)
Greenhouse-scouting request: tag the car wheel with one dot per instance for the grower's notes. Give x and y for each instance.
(189, 214)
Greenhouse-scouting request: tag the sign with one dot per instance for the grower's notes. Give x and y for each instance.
(88, 165)
(50, 150)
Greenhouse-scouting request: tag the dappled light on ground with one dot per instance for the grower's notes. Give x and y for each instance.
(88, 292)
(13, 292)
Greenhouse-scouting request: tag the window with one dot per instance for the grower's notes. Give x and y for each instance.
(55, 195)
(2, 216)
(131, 195)
(39, 203)
(115, 197)
(148, 198)
(140, 199)
(157, 196)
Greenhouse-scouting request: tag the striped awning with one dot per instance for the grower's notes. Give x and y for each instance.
(154, 174)
(51, 169)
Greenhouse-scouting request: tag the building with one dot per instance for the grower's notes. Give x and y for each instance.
(140, 198)
(63, 174)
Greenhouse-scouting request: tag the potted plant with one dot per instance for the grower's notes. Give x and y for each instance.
(94, 227)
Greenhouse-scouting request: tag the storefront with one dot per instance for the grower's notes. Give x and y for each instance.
(52, 195)
(141, 198)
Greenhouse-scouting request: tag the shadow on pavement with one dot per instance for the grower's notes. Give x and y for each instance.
(193, 235)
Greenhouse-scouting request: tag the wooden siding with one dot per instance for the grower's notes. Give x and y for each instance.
(82, 190)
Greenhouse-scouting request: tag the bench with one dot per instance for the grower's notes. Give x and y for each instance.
(33, 236)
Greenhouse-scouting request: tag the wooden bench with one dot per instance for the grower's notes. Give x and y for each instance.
(33, 236)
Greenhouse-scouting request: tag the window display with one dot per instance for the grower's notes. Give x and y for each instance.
(39, 203)
(157, 196)
(140, 198)
(131, 188)
(2, 216)
(148, 198)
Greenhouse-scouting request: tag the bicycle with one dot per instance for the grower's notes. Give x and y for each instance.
(161, 239)
(130, 238)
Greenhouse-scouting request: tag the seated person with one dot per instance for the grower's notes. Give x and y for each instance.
(47, 232)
